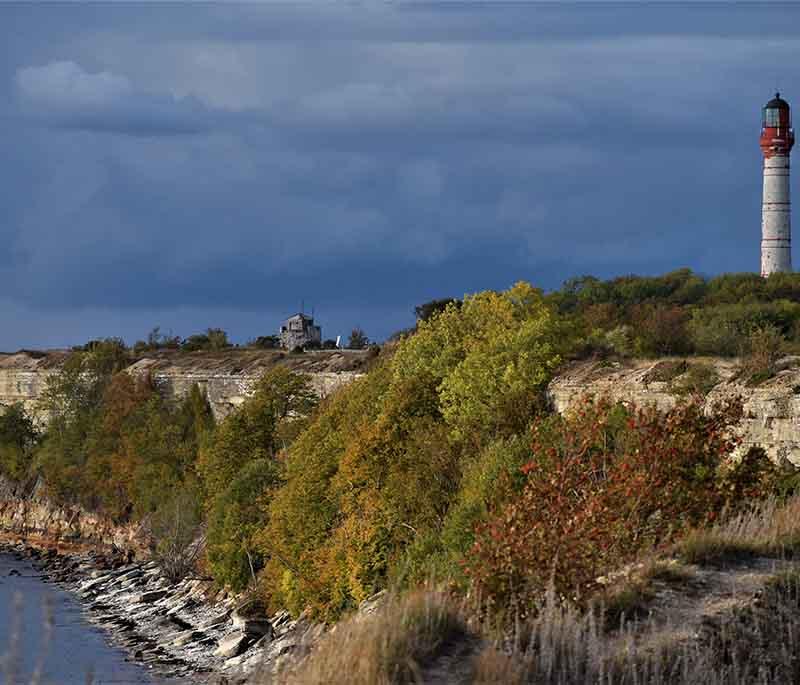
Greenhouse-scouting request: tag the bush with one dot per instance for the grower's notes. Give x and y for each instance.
(763, 349)
(660, 330)
(698, 380)
(615, 481)
(725, 329)
(358, 339)
(680, 312)
(176, 528)
(214, 339)
(266, 342)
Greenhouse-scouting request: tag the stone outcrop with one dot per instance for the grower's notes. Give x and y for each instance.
(23, 376)
(227, 377)
(26, 513)
(771, 408)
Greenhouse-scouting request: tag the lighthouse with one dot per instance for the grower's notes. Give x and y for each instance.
(777, 139)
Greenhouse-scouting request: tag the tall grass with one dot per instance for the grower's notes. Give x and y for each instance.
(771, 528)
(392, 645)
(562, 645)
(755, 645)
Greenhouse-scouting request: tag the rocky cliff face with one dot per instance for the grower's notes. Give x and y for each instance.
(27, 514)
(227, 377)
(23, 376)
(771, 408)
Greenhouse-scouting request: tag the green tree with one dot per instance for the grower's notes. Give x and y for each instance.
(371, 482)
(425, 311)
(18, 437)
(266, 423)
(236, 516)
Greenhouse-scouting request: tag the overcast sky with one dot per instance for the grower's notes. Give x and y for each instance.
(215, 165)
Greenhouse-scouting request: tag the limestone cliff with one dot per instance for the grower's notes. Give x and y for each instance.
(26, 513)
(227, 377)
(771, 408)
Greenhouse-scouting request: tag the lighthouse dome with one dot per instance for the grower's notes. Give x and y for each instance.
(776, 113)
(777, 103)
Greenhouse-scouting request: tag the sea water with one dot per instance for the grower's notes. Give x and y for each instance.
(46, 639)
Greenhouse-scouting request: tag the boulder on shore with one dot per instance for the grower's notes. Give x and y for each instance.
(233, 645)
(254, 626)
(152, 596)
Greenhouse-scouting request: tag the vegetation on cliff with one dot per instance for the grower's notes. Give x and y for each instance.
(443, 463)
(681, 312)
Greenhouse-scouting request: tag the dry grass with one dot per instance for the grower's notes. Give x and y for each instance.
(754, 645)
(617, 644)
(770, 529)
(392, 645)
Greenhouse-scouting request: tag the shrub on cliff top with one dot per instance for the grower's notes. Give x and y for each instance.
(602, 483)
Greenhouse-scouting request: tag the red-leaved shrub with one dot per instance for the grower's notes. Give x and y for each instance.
(603, 483)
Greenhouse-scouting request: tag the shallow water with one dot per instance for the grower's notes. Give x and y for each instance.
(45, 638)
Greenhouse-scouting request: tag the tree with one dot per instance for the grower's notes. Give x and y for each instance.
(235, 517)
(489, 360)
(18, 436)
(214, 339)
(156, 340)
(217, 339)
(425, 311)
(358, 339)
(369, 485)
(266, 423)
(17, 427)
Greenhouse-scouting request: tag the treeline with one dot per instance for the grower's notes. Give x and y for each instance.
(216, 339)
(681, 313)
(443, 462)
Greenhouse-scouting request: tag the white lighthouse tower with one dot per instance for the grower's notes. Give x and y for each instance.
(777, 139)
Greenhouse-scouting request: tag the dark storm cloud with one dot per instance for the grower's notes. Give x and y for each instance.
(217, 165)
(63, 94)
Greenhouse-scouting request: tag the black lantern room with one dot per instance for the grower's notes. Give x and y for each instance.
(776, 113)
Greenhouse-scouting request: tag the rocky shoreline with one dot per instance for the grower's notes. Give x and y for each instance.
(182, 631)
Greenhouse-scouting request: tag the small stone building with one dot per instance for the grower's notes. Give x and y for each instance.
(299, 330)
